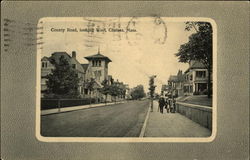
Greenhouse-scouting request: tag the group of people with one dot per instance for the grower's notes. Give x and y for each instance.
(168, 103)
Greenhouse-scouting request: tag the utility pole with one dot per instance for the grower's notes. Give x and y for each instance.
(152, 90)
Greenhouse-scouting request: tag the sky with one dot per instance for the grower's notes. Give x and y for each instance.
(147, 48)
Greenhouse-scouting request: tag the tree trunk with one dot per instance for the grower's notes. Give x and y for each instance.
(90, 99)
(59, 105)
(209, 86)
(106, 99)
(151, 104)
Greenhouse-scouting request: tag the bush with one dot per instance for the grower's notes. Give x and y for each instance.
(204, 92)
(53, 103)
(196, 93)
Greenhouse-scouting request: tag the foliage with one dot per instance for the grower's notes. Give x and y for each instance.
(114, 89)
(117, 89)
(199, 47)
(90, 85)
(105, 89)
(138, 92)
(62, 81)
(151, 86)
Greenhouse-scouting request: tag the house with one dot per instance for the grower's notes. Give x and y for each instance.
(175, 84)
(172, 83)
(97, 69)
(47, 66)
(180, 83)
(128, 92)
(164, 89)
(196, 79)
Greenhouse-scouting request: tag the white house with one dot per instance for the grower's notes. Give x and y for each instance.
(196, 79)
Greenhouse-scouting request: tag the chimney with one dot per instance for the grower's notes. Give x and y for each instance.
(73, 54)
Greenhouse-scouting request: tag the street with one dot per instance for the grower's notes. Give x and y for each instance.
(119, 120)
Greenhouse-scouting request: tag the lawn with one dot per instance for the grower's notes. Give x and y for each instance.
(199, 99)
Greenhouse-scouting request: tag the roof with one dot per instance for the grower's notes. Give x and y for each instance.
(45, 58)
(57, 55)
(85, 67)
(98, 83)
(173, 78)
(195, 65)
(180, 76)
(98, 56)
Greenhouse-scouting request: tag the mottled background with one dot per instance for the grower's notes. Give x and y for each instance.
(18, 81)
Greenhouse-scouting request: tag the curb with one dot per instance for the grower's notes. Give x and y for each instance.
(145, 123)
(85, 107)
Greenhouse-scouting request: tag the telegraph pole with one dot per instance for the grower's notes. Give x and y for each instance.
(152, 90)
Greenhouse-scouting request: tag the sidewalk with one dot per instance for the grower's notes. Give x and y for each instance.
(172, 125)
(67, 109)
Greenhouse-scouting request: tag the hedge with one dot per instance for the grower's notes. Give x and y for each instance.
(53, 103)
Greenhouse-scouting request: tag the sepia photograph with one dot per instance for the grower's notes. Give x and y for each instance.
(118, 77)
(124, 80)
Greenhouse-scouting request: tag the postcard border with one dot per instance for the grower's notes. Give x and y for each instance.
(139, 139)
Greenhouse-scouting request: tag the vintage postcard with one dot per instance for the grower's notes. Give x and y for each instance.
(126, 79)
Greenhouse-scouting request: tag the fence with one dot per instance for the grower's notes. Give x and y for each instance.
(197, 113)
(61, 103)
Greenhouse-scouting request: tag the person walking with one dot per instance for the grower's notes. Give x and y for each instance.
(161, 104)
(167, 104)
(174, 105)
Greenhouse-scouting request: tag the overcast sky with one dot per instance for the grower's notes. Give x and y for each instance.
(135, 55)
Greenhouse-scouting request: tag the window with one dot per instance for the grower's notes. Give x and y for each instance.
(200, 74)
(74, 66)
(191, 89)
(44, 64)
(191, 77)
(85, 91)
(97, 63)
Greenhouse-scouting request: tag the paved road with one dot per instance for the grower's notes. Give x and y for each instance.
(121, 120)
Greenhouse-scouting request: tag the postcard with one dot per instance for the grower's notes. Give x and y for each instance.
(126, 79)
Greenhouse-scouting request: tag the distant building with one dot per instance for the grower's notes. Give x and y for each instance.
(164, 90)
(128, 92)
(172, 83)
(196, 79)
(175, 84)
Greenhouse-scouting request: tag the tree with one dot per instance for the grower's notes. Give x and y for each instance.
(151, 86)
(151, 90)
(138, 92)
(114, 90)
(105, 89)
(90, 86)
(199, 47)
(63, 81)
